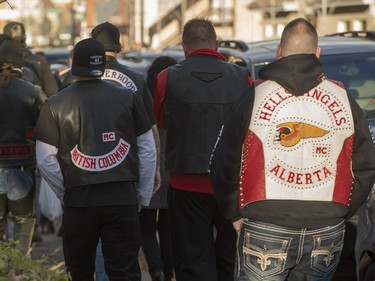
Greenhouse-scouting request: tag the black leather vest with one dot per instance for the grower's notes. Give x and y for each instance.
(20, 104)
(200, 92)
(97, 134)
(129, 79)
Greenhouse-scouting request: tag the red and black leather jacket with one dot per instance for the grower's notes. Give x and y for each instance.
(298, 152)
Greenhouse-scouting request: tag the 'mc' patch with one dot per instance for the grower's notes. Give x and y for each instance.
(110, 136)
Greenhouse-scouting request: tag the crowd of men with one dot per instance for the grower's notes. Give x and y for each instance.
(249, 195)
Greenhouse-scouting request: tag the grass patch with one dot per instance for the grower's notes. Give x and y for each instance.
(16, 266)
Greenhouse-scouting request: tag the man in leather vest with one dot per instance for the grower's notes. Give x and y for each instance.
(294, 160)
(96, 150)
(20, 104)
(109, 35)
(37, 71)
(191, 100)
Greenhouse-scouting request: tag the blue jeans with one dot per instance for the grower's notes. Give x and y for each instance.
(270, 252)
(17, 204)
(16, 183)
(100, 274)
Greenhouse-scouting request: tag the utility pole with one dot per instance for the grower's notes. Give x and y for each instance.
(90, 13)
(302, 8)
(323, 20)
(131, 23)
(142, 21)
(73, 19)
(273, 17)
(233, 17)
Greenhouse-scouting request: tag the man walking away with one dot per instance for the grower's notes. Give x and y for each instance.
(96, 150)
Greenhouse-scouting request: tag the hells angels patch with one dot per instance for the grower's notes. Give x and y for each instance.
(297, 146)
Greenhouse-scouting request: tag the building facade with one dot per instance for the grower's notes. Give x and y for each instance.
(157, 24)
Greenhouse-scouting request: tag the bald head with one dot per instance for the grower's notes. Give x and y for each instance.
(298, 37)
(198, 33)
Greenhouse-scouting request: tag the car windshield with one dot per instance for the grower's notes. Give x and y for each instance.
(356, 71)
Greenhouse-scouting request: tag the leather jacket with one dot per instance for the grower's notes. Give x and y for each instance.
(112, 154)
(350, 177)
(20, 104)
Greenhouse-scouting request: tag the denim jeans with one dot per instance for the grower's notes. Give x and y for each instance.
(17, 204)
(16, 183)
(100, 274)
(270, 252)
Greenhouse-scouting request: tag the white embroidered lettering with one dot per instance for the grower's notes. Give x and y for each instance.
(332, 105)
(294, 178)
(103, 162)
(121, 78)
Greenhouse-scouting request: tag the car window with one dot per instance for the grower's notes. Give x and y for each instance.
(356, 71)
(258, 66)
(235, 59)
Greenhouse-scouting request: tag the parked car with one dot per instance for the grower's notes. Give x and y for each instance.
(365, 242)
(349, 58)
(359, 34)
(55, 55)
(141, 60)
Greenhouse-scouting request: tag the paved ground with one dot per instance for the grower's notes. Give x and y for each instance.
(51, 249)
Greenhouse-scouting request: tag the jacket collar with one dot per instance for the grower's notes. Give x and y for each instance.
(296, 73)
(206, 52)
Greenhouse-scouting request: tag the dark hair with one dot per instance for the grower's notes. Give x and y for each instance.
(5, 72)
(199, 33)
(11, 58)
(159, 64)
(16, 30)
(297, 28)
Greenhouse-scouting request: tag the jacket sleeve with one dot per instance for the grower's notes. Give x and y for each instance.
(49, 167)
(147, 101)
(41, 98)
(146, 167)
(158, 98)
(225, 164)
(363, 160)
(49, 83)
